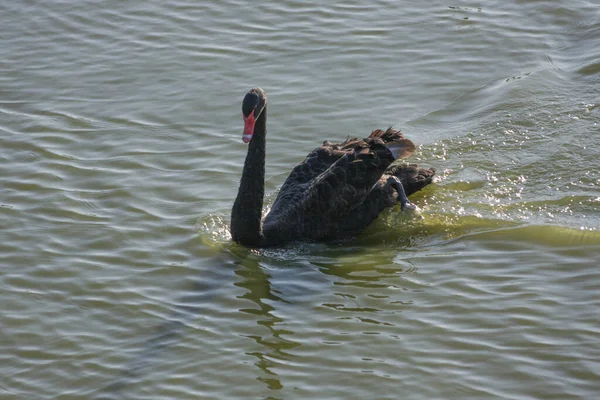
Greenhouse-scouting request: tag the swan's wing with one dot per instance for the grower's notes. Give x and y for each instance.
(313, 208)
(322, 158)
(300, 178)
(313, 165)
(331, 182)
(345, 185)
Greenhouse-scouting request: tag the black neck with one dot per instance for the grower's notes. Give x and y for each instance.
(247, 208)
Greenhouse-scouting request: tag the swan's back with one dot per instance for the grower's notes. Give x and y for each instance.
(330, 183)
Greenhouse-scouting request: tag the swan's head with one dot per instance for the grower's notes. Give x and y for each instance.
(252, 107)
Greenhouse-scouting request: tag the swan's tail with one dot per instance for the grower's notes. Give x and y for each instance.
(395, 141)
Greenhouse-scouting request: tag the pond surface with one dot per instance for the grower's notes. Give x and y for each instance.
(120, 158)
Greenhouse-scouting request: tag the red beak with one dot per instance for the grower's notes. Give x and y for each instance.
(249, 122)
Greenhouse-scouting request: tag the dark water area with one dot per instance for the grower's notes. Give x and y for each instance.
(120, 158)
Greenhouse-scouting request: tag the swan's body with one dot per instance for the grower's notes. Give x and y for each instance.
(335, 192)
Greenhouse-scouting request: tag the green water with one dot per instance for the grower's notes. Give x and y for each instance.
(120, 157)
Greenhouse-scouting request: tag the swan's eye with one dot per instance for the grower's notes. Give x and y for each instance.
(259, 109)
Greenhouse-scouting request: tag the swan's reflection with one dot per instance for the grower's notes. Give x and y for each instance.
(263, 288)
(257, 283)
(217, 280)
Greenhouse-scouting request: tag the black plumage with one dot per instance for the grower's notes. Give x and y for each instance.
(337, 191)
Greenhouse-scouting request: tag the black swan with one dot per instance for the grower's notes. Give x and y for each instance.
(334, 193)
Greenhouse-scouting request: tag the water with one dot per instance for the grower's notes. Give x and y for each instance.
(120, 138)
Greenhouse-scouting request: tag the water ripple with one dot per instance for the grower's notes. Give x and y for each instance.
(121, 157)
